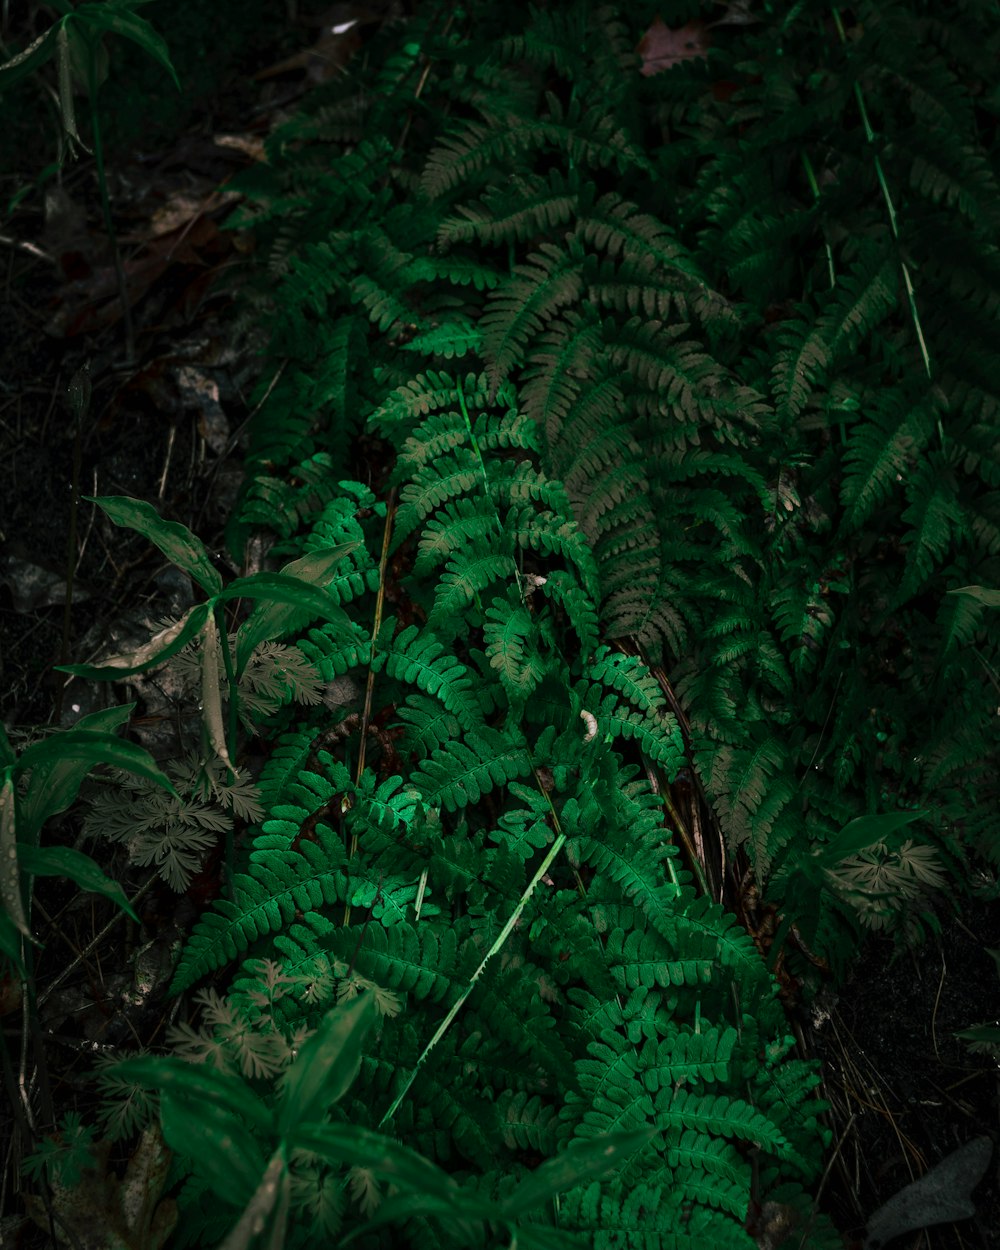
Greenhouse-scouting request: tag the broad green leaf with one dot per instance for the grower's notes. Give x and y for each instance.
(69, 48)
(10, 944)
(151, 654)
(216, 1141)
(271, 619)
(985, 1034)
(27, 61)
(580, 1161)
(326, 1065)
(220, 1089)
(540, 1237)
(55, 785)
(990, 597)
(63, 861)
(88, 56)
(119, 20)
(178, 544)
(290, 591)
(10, 876)
(463, 1212)
(364, 1148)
(269, 1204)
(7, 756)
(211, 697)
(91, 747)
(865, 831)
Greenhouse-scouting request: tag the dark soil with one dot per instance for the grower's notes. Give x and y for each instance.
(905, 1092)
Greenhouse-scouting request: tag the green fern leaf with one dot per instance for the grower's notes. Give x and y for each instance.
(419, 659)
(520, 309)
(512, 648)
(421, 960)
(530, 206)
(280, 884)
(936, 519)
(463, 771)
(527, 1122)
(879, 455)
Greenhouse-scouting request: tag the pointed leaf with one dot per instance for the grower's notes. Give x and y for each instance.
(985, 1034)
(90, 747)
(211, 696)
(119, 20)
(63, 861)
(364, 1148)
(10, 877)
(151, 654)
(222, 1089)
(865, 831)
(270, 1199)
(270, 619)
(71, 47)
(326, 1065)
(990, 597)
(54, 785)
(217, 1142)
(178, 544)
(580, 1161)
(463, 1212)
(26, 62)
(940, 1196)
(106, 719)
(10, 944)
(293, 591)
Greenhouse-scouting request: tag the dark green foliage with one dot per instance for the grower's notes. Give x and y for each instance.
(692, 365)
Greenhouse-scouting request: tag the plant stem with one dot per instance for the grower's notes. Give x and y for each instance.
(232, 733)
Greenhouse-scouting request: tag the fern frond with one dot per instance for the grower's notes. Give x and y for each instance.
(512, 647)
(936, 519)
(527, 1122)
(461, 772)
(281, 883)
(521, 308)
(517, 212)
(469, 150)
(417, 659)
(421, 960)
(881, 452)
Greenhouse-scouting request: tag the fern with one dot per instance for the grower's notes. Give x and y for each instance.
(281, 882)
(687, 405)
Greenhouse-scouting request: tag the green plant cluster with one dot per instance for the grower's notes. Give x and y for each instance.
(682, 386)
(740, 320)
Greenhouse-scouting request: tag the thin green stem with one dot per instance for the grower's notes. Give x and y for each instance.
(233, 685)
(814, 187)
(232, 734)
(456, 1007)
(893, 223)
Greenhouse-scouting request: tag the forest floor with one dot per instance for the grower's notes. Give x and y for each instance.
(166, 427)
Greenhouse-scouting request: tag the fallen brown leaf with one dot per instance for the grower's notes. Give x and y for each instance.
(661, 48)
